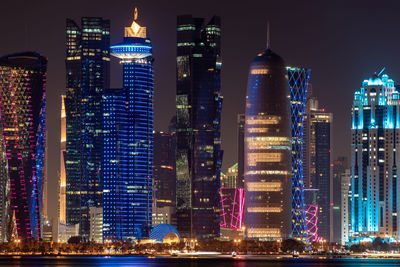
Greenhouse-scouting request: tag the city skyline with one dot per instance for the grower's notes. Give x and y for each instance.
(56, 84)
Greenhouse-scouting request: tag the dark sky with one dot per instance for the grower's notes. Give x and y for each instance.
(343, 42)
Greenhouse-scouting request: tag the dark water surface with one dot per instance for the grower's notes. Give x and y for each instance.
(183, 262)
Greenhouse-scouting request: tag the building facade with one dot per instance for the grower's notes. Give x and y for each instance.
(62, 176)
(317, 163)
(374, 158)
(198, 113)
(267, 158)
(298, 79)
(241, 119)
(340, 165)
(128, 140)
(345, 208)
(23, 128)
(87, 69)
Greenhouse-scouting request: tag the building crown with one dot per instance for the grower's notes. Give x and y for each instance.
(135, 30)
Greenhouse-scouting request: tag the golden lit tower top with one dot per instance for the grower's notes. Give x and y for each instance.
(135, 30)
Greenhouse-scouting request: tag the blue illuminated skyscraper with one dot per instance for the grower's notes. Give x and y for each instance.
(374, 158)
(128, 140)
(298, 79)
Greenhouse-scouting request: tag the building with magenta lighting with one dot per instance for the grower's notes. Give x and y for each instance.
(128, 141)
(23, 141)
(374, 158)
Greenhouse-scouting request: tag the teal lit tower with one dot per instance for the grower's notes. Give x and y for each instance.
(374, 158)
(87, 75)
(298, 79)
(127, 165)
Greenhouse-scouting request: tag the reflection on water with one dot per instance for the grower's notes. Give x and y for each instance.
(182, 262)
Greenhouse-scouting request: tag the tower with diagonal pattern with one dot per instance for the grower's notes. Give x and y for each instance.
(298, 79)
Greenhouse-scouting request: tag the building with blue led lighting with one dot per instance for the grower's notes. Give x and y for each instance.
(198, 115)
(128, 141)
(298, 79)
(374, 158)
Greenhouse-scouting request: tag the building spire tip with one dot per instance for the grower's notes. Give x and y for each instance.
(268, 40)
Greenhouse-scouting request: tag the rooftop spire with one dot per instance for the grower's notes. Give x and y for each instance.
(135, 14)
(268, 44)
(135, 30)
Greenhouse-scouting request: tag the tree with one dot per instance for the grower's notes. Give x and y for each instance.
(75, 240)
(290, 245)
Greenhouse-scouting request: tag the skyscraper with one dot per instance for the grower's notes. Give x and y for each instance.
(267, 161)
(241, 122)
(87, 67)
(340, 165)
(128, 140)
(164, 169)
(374, 173)
(62, 176)
(298, 79)
(198, 112)
(317, 162)
(23, 128)
(345, 208)
(164, 178)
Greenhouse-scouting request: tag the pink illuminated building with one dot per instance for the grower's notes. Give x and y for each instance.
(232, 204)
(312, 223)
(22, 124)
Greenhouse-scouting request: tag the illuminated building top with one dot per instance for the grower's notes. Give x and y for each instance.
(136, 45)
(135, 30)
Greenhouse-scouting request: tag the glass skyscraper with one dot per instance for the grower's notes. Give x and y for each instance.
(374, 158)
(317, 163)
(23, 132)
(198, 112)
(128, 140)
(87, 67)
(298, 79)
(267, 160)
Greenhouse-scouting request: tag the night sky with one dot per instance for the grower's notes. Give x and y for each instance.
(343, 42)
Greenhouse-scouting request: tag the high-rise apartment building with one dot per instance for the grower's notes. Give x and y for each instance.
(317, 162)
(198, 114)
(374, 158)
(340, 165)
(87, 68)
(298, 79)
(127, 161)
(164, 174)
(23, 131)
(345, 207)
(240, 123)
(267, 158)
(164, 178)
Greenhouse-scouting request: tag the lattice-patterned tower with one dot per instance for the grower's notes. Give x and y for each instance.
(298, 82)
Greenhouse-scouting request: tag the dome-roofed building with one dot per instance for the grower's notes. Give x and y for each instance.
(165, 233)
(267, 168)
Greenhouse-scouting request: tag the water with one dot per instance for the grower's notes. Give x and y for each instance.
(183, 262)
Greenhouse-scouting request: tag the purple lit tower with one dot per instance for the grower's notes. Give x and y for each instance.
(23, 113)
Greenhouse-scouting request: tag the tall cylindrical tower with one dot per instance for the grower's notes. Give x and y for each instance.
(267, 167)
